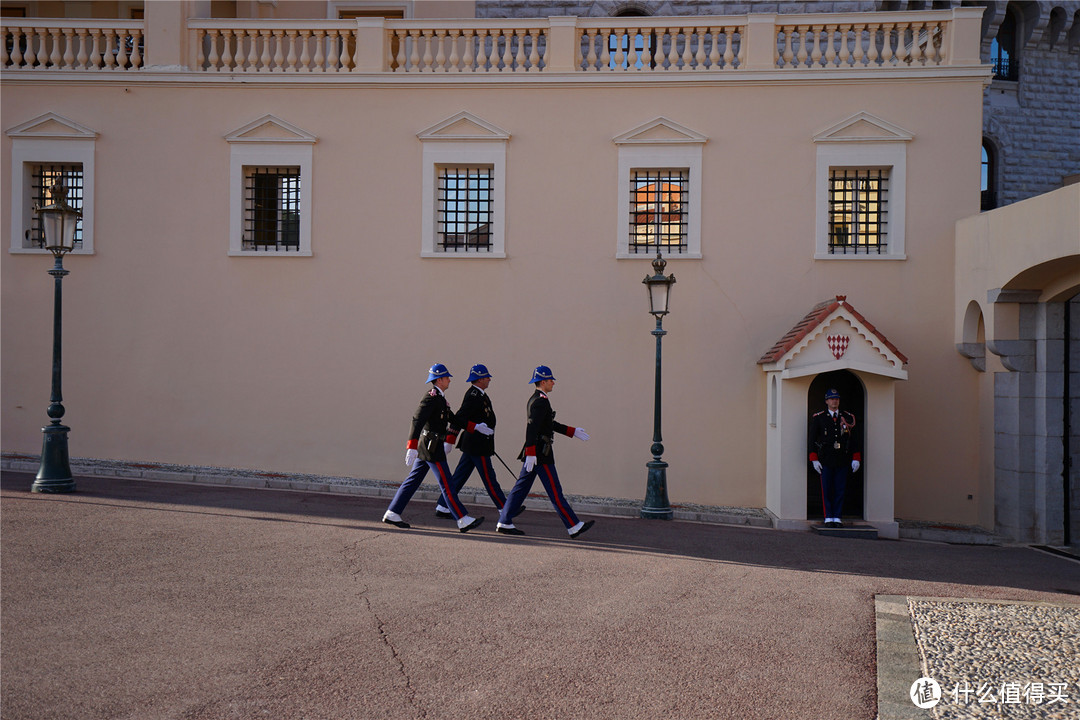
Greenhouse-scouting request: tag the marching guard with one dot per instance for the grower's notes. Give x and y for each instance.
(834, 450)
(430, 440)
(538, 458)
(476, 419)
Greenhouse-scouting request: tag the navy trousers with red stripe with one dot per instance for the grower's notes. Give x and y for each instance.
(549, 476)
(833, 480)
(416, 476)
(481, 463)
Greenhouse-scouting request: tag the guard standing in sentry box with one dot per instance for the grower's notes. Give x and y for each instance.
(834, 450)
(476, 419)
(539, 459)
(430, 441)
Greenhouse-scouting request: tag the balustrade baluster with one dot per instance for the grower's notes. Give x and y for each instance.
(699, 52)
(226, 51)
(648, 38)
(279, 51)
(17, 36)
(438, 38)
(136, 57)
(54, 46)
(590, 57)
(801, 55)
(534, 48)
(122, 54)
(110, 50)
(291, 58)
(933, 49)
(830, 45)
(687, 53)
(786, 52)
(857, 52)
(815, 46)
(714, 49)
(394, 48)
(319, 61)
(455, 56)
(213, 57)
(305, 51)
(426, 58)
(887, 54)
(264, 55)
(605, 51)
(872, 47)
(517, 49)
(69, 54)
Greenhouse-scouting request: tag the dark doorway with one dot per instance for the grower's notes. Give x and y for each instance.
(852, 400)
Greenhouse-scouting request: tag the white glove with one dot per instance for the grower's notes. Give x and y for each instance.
(410, 457)
(483, 429)
(817, 467)
(855, 466)
(447, 447)
(530, 462)
(581, 434)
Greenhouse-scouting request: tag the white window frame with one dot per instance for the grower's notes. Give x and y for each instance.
(59, 142)
(474, 143)
(885, 148)
(248, 148)
(660, 145)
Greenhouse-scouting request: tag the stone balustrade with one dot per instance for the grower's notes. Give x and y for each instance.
(53, 44)
(638, 45)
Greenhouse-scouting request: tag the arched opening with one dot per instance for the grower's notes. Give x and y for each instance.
(853, 400)
(1004, 48)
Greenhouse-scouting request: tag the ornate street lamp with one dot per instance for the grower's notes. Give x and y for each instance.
(58, 221)
(656, 504)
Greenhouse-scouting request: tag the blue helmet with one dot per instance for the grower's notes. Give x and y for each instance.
(831, 393)
(542, 372)
(478, 372)
(438, 370)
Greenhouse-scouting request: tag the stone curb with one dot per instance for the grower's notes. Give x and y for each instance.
(588, 505)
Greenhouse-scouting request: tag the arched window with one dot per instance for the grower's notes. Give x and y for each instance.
(989, 175)
(1003, 49)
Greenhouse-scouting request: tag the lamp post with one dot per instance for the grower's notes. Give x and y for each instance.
(58, 221)
(656, 504)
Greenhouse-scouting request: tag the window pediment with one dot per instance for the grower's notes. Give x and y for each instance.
(464, 126)
(270, 129)
(660, 131)
(864, 127)
(52, 126)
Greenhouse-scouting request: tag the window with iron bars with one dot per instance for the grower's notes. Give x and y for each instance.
(658, 210)
(43, 177)
(465, 208)
(858, 210)
(271, 208)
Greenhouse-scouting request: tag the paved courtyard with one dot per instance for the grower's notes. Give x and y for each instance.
(146, 600)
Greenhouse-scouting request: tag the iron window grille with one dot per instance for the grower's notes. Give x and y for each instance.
(43, 177)
(858, 210)
(465, 209)
(272, 209)
(658, 210)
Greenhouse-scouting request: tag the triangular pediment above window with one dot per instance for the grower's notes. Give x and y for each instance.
(660, 131)
(51, 125)
(464, 126)
(864, 127)
(834, 336)
(270, 129)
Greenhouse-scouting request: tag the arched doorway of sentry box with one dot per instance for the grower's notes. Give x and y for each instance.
(832, 337)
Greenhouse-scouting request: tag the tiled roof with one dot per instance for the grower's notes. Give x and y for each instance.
(813, 319)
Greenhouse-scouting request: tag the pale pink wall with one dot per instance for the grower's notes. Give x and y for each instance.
(175, 352)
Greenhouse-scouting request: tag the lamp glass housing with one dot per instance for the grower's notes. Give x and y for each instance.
(659, 286)
(58, 221)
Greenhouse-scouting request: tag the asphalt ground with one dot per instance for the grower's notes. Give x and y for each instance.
(145, 600)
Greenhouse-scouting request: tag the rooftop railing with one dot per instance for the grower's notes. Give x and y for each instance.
(627, 46)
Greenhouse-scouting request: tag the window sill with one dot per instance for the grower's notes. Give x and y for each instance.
(269, 253)
(860, 256)
(647, 256)
(465, 255)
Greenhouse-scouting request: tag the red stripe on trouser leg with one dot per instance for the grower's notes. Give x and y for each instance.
(486, 472)
(451, 497)
(824, 507)
(557, 497)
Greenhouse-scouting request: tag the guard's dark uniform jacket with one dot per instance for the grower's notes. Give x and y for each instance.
(431, 427)
(475, 409)
(833, 441)
(540, 430)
